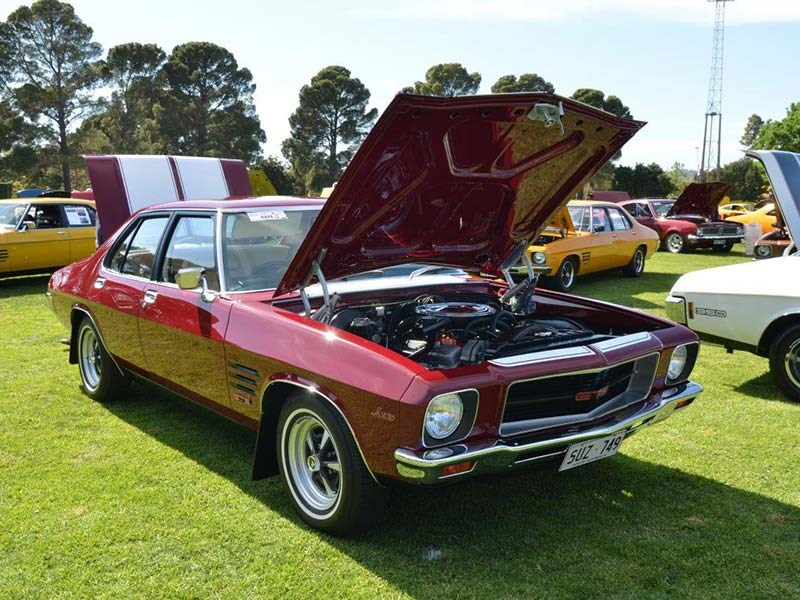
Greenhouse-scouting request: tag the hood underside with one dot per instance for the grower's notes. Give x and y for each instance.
(456, 181)
(700, 199)
(783, 169)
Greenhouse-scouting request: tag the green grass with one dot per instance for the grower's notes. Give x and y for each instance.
(152, 496)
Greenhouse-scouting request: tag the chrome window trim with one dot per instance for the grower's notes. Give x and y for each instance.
(533, 422)
(447, 441)
(316, 392)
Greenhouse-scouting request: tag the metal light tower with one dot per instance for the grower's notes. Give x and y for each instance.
(712, 134)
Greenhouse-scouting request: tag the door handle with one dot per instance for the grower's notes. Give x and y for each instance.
(149, 298)
(61, 232)
(99, 283)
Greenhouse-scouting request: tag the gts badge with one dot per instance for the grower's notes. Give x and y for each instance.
(593, 395)
(711, 312)
(384, 415)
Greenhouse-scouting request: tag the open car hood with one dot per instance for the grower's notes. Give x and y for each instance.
(783, 169)
(456, 181)
(700, 199)
(561, 222)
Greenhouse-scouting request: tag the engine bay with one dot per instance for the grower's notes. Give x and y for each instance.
(451, 330)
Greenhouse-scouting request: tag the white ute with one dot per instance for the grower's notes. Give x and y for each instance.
(753, 306)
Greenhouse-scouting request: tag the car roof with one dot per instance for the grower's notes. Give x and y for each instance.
(593, 203)
(36, 200)
(239, 203)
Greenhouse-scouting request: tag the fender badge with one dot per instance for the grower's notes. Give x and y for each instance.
(379, 413)
(711, 312)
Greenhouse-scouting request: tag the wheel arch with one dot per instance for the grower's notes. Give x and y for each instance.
(774, 329)
(576, 260)
(275, 395)
(77, 314)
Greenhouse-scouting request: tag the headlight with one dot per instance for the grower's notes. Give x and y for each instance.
(443, 415)
(763, 251)
(677, 363)
(539, 258)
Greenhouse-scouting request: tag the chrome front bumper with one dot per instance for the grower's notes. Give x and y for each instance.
(734, 237)
(504, 455)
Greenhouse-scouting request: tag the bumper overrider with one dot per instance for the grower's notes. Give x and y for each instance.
(502, 455)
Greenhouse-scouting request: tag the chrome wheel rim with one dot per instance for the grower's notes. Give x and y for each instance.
(312, 460)
(792, 363)
(89, 357)
(674, 242)
(567, 274)
(638, 261)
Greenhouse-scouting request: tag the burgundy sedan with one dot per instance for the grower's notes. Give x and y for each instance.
(691, 221)
(296, 318)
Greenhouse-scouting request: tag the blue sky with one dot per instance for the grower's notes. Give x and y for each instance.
(654, 54)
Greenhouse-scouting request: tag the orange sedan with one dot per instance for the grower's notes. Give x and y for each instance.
(764, 216)
(589, 236)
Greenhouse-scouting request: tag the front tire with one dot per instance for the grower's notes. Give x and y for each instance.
(329, 484)
(100, 377)
(784, 362)
(674, 243)
(564, 278)
(635, 268)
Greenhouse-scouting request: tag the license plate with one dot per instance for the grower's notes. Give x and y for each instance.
(719, 242)
(586, 452)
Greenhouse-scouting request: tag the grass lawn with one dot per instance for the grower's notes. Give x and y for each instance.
(152, 496)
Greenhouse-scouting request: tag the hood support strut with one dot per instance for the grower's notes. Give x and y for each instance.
(518, 297)
(329, 301)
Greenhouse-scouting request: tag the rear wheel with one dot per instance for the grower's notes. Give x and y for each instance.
(635, 268)
(330, 486)
(564, 278)
(100, 377)
(674, 242)
(784, 362)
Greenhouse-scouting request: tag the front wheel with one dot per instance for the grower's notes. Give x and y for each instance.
(100, 377)
(784, 362)
(674, 242)
(565, 276)
(330, 486)
(635, 268)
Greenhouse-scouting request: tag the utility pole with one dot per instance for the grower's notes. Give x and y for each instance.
(712, 132)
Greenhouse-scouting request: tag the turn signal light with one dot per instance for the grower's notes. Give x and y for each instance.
(683, 403)
(457, 468)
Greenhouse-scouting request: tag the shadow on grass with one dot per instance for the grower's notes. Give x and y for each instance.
(612, 287)
(618, 528)
(26, 285)
(763, 387)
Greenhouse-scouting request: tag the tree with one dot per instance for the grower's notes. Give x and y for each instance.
(129, 120)
(643, 181)
(680, 177)
(208, 107)
(599, 100)
(748, 177)
(751, 129)
(278, 174)
(527, 82)
(783, 134)
(51, 59)
(448, 79)
(332, 113)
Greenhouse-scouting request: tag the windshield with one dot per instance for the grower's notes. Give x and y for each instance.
(11, 213)
(662, 206)
(258, 245)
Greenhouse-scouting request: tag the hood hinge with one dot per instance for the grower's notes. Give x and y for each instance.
(329, 301)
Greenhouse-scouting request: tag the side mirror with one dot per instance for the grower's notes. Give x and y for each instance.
(191, 278)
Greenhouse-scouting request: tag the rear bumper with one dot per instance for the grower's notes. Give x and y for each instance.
(501, 455)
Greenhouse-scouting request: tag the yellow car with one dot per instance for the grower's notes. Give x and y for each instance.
(735, 209)
(38, 234)
(764, 216)
(589, 236)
